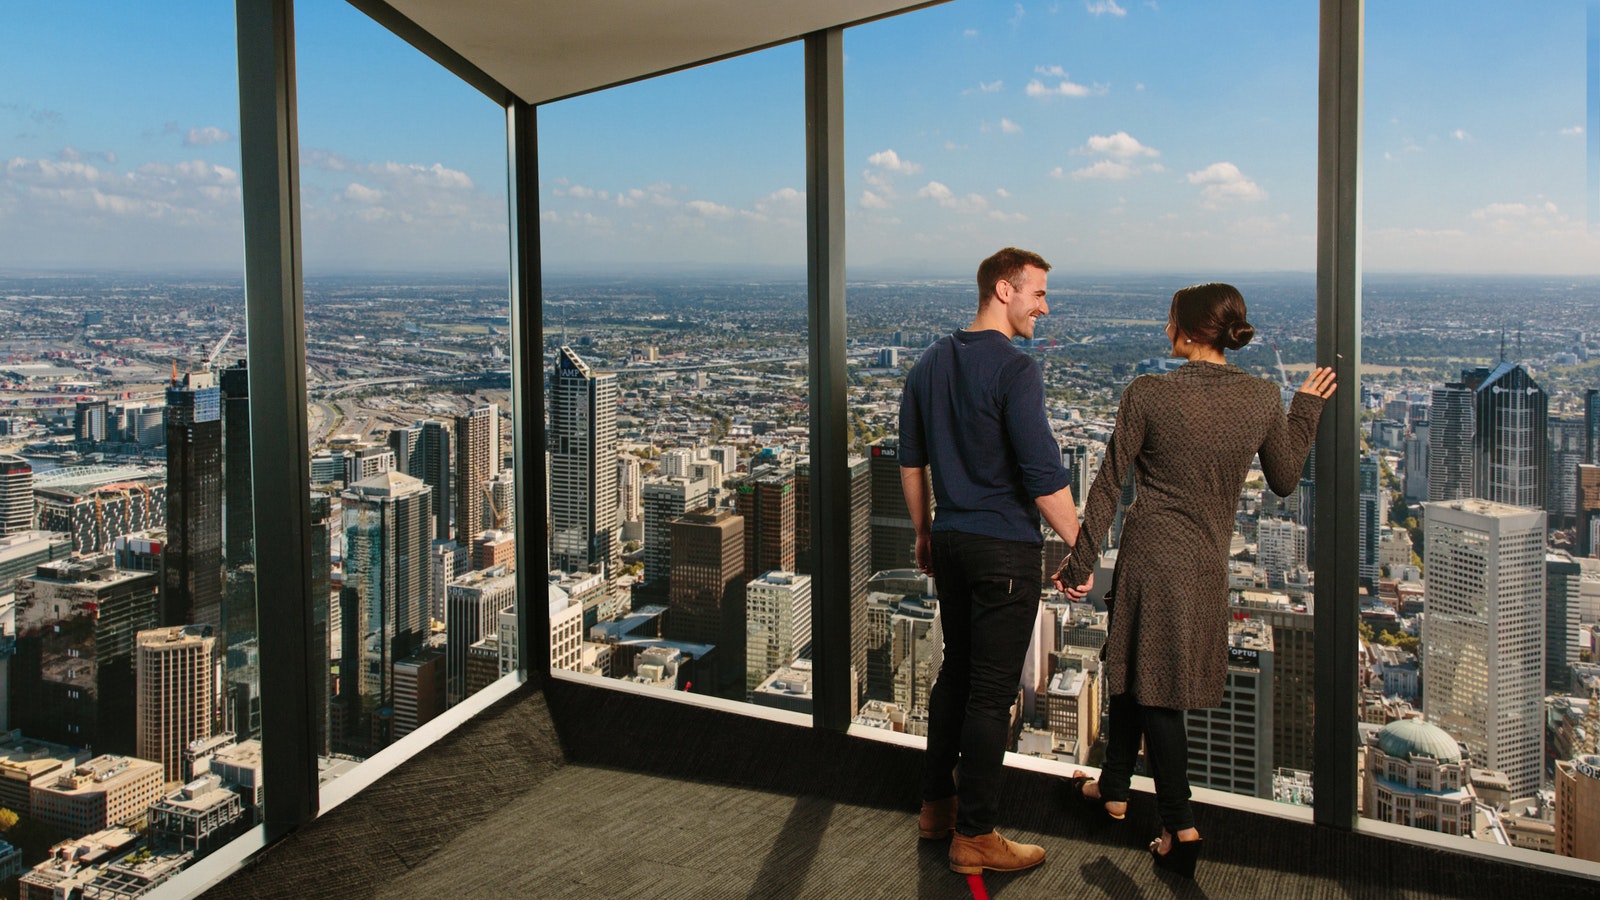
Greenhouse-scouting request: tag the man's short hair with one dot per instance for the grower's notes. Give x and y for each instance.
(1006, 265)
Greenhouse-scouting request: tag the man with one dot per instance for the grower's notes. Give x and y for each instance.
(973, 412)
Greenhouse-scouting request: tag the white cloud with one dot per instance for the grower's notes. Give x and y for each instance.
(1224, 182)
(211, 134)
(1573, 131)
(360, 193)
(970, 32)
(1119, 146)
(999, 216)
(1002, 193)
(869, 200)
(1009, 127)
(936, 191)
(941, 194)
(1037, 88)
(1461, 135)
(1050, 71)
(890, 161)
(708, 209)
(1058, 172)
(985, 87)
(1101, 7)
(1106, 170)
(1017, 13)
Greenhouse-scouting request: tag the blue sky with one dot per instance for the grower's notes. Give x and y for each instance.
(1126, 135)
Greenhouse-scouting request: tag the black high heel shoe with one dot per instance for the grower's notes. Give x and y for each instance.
(1075, 786)
(1180, 857)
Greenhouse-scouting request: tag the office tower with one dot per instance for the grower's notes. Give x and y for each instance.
(630, 484)
(1482, 639)
(499, 500)
(326, 468)
(90, 420)
(1510, 436)
(191, 587)
(707, 602)
(105, 791)
(1566, 443)
(1588, 510)
(177, 676)
(1415, 776)
(1072, 708)
(1280, 548)
(473, 603)
(1304, 505)
(321, 651)
(777, 623)
(1293, 673)
(362, 463)
(388, 523)
(1591, 426)
(1372, 513)
(1082, 462)
(727, 457)
(23, 552)
(238, 519)
(894, 540)
(916, 652)
(93, 515)
(860, 565)
(675, 462)
(583, 490)
(495, 550)
(663, 500)
(1238, 734)
(1416, 463)
(766, 501)
(16, 495)
(477, 460)
(405, 443)
(566, 633)
(1450, 435)
(450, 561)
(1578, 807)
(419, 689)
(1563, 590)
(72, 676)
(431, 463)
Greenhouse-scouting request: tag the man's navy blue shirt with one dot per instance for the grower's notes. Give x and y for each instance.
(973, 409)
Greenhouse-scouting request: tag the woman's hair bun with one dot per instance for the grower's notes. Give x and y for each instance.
(1237, 334)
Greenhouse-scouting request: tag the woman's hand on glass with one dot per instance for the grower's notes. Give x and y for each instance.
(1319, 383)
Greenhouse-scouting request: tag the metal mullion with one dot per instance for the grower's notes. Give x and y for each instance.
(830, 475)
(1339, 439)
(279, 460)
(527, 389)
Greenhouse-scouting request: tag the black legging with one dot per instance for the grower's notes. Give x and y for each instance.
(1166, 750)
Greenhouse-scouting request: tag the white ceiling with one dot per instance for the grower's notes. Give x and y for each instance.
(547, 49)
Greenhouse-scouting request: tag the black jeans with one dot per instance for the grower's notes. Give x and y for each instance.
(988, 602)
(1166, 751)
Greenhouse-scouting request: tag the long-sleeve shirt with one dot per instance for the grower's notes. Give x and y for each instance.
(1189, 437)
(973, 410)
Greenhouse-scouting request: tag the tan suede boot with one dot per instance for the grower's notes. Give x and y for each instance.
(938, 818)
(971, 855)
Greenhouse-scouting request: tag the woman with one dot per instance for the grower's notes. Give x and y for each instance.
(1189, 436)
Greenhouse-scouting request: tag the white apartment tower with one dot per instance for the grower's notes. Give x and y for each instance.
(583, 478)
(778, 623)
(665, 499)
(1483, 637)
(178, 684)
(477, 461)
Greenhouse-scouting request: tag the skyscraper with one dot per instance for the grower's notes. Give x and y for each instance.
(860, 468)
(477, 460)
(583, 479)
(177, 676)
(630, 483)
(1483, 637)
(321, 601)
(473, 604)
(238, 517)
(663, 500)
(766, 501)
(1510, 435)
(1281, 548)
(191, 588)
(894, 539)
(1450, 431)
(1588, 514)
(387, 527)
(16, 495)
(1239, 732)
(1591, 426)
(90, 421)
(433, 459)
(707, 603)
(1563, 590)
(1372, 512)
(777, 623)
(405, 442)
(1567, 450)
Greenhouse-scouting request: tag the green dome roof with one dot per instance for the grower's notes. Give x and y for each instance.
(1414, 737)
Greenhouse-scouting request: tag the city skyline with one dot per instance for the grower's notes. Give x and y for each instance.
(1089, 131)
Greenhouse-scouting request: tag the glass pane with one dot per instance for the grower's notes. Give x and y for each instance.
(675, 326)
(1478, 403)
(1084, 133)
(407, 345)
(127, 577)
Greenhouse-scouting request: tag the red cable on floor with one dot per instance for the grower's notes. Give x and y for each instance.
(975, 884)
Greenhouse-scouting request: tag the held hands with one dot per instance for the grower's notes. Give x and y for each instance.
(1074, 594)
(1319, 383)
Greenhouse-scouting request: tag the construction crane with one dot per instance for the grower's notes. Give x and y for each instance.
(217, 350)
(499, 516)
(1286, 387)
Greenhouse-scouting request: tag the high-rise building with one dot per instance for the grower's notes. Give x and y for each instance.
(1416, 462)
(1567, 448)
(1280, 548)
(1588, 510)
(178, 676)
(22, 552)
(105, 791)
(238, 539)
(361, 463)
(675, 462)
(72, 678)
(663, 500)
(419, 689)
(1082, 463)
(1483, 636)
(1510, 444)
(494, 549)
(777, 623)
(583, 488)
(1238, 734)
(766, 500)
(860, 565)
(1578, 807)
(322, 515)
(405, 442)
(16, 495)
(707, 603)
(1591, 426)
(472, 606)
(388, 525)
(1293, 673)
(191, 587)
(433, 460)
(1372, 513)
(894, 539)
(94, 515)
(630, 482)
(477, 461)
(1072, 709)
(90, 420)
(1563, 593)
(450, 561)
(1450, 434)
(916, 637)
